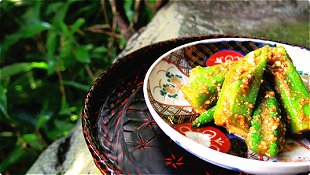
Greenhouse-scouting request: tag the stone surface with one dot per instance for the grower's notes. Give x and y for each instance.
(243, 18)
(67, 155)
(269, 19)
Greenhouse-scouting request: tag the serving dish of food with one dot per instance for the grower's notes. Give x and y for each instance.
(206, 94)
(123, 137)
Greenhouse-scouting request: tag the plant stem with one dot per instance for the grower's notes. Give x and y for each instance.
(61, 81)
(104, 11)
(121, 18)
(90, 73)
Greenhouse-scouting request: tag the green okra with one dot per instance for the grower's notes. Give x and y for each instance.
(293, 93)
(204, 118)
(203, 85)
(239, 91)
(267, 131)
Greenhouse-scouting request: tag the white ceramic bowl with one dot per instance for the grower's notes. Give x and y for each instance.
(169, 109)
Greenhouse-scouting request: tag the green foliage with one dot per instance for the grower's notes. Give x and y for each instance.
(288, 32)
(50, 55)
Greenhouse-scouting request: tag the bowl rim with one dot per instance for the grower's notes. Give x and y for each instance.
(221, 159)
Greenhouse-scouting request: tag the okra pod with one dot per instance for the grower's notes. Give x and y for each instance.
(239, 91)
(203, 85)
(267, 131)
(204, 118)
(291, 89)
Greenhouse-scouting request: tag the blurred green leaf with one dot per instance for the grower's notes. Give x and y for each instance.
(32, 82)
(30, 137)
(82, 55)
(33, 29)
(8, 42)
(39, 65)
(42, 119)
(78, 23)
(65, 58)
(3, 97)
(99, 52)
(16, 154)
(74, 117)
(34, 141)
(77, 85)
(101, 49)
(63, 126)
(17, 68)
(45, 114)
(6, 134)
(54, 8)
(123, 42)
(128, 6)
(64, 29)
(58, 132)
(61, 12)
(33, 13)
(149, 13)
(51, 67)
(152, 1)
(64, 107)
(25, 32)
(51, 43)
